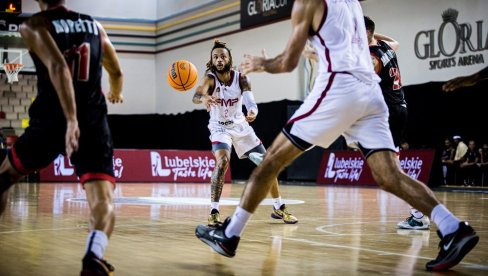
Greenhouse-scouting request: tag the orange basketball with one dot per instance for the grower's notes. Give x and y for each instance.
(182, 75)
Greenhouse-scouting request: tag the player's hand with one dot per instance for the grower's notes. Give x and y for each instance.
(458, 83)
(252, 64)
(251, 116)
(72, 137)
(309, 52)
(115, 97)
(208, 101)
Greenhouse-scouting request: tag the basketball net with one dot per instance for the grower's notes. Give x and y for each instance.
(12, 70)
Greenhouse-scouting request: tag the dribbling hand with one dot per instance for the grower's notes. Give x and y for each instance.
(208, 101)
(251, 116)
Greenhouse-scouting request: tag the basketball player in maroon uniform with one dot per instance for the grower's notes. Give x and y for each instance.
(346, 100)
(385, 63)
(223, 91)
(69, 115)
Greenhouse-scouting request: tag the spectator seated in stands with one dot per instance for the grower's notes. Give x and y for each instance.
(483, 164)
(460, 150)
(447, 160)
(470, 167)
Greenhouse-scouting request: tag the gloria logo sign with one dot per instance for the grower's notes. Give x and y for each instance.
(452, 43)
(255, 12)
(349, 167)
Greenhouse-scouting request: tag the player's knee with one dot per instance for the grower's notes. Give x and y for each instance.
(223, 162)
(103, 209)
(271, 166)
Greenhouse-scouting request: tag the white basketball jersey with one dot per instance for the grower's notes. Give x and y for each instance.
(341, 42)
(228, 110)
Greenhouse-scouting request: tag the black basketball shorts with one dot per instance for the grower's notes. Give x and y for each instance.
(44, 139)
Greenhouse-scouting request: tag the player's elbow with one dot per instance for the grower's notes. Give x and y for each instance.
(116, 74)
(58, 69)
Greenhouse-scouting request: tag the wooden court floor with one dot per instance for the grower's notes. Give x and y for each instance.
(341, 231)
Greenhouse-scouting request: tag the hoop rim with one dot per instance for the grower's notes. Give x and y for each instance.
(12, 70)
(13, 65)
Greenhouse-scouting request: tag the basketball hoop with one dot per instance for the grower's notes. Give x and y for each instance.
(12, 70)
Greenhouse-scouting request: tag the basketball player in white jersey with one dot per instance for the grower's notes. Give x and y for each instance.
(346, 99)
(223, 91)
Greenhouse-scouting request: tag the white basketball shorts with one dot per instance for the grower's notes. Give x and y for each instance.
(343, 105)
(241, 136)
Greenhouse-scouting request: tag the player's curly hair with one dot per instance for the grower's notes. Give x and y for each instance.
(218, 44)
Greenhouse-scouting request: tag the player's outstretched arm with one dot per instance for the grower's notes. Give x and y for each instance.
(301, 18)
(112, 65)
(38, 39)
(389, 40)
(466, 81)
(202, 94)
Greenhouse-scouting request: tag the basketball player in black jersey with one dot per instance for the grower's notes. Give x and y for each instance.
(385, 63)
(69, 115)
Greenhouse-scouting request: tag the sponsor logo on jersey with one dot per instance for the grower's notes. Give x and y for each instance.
(227, 102)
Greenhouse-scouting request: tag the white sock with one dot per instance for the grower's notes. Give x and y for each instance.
(277, 202)
(445, 220)
(214, 205)
(416, 213)
(96, 242)
(237, 223)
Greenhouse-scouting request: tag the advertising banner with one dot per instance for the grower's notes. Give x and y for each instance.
(145, 166)
(259, 12)
(349, 167)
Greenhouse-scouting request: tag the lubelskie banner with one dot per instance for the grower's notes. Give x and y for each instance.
(349, 167)
(145, 166)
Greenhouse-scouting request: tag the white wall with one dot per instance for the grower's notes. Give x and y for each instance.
(140, 9)
(139, 85)
(167, 8)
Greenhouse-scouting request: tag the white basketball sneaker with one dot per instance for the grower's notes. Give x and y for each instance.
(413, 223)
